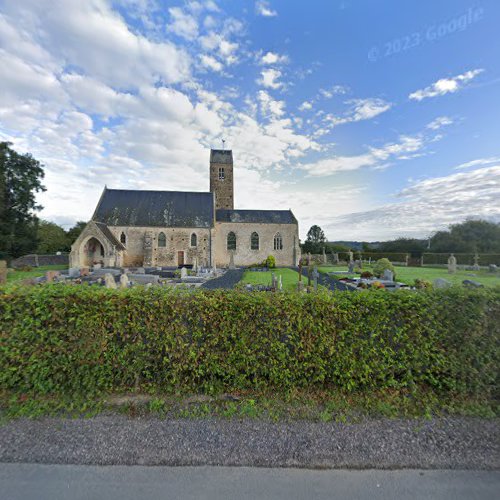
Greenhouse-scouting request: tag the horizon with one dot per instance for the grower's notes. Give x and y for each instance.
(372, 121)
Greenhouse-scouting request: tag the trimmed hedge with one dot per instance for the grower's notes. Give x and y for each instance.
(68, 340)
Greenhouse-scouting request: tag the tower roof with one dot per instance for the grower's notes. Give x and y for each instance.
(221, 156)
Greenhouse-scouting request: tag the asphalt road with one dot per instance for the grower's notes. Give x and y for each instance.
(76, 482)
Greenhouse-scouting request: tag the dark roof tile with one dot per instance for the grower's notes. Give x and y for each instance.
(256, 216)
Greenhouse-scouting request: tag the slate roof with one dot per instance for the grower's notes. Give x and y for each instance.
(124, 207)
(221, 156)
(111, 237)
(256, 216)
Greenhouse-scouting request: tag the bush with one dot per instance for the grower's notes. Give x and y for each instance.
(270, 262)
(84, 340)
(380, 266)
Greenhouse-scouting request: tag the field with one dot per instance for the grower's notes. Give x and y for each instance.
(34, 273)
(408, 275)
(288, 276)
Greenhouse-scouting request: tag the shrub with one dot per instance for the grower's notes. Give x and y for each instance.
(366, 274)
(270, 262)
(380, 266)
(421, 283)
(84, 340)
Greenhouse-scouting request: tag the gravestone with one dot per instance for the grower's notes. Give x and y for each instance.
(476, 267)
(124, 282)
(142, 279)
(315, 276)
(472, 284)
(97, 266)
(359, 264)
(351, 256)
(140, 270)
(324, 256)
(74, 272)
(452, 264)
(231, 261)
(351, 266)
(441, 283)
(84, 271)
(388, 275)
(195, 265)
(184, 273)
(3, 271)
(50, 275)
(109, 280)
(336, 259)
(493, 268)
(280, 283)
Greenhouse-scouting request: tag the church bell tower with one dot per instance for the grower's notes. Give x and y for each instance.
(221, 178)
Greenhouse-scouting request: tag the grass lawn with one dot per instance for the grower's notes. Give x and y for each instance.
(408, 275)
(289, 278)
(34, 273)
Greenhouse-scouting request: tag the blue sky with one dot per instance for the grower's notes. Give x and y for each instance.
(373, 119)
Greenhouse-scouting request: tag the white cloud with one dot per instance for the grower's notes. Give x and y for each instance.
(273, 58)
(262, 8)
(407, 147)
(481, 162)
(211, 63)
(334, 90)
(269, 78)
(182, 24)
(305, 106)
(270, 106)
(361, 109)
(439, 122)
(445, 85)
(216, 43)
(426, 206)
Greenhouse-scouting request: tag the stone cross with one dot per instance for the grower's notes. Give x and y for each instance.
(351, 256)
(3, 271)
(476, 263)
(452, 264)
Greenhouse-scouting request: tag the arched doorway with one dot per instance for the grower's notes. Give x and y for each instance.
(93, 252)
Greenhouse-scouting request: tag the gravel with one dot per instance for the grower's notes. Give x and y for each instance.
(327, 281)
(228, 280)
(451, 443)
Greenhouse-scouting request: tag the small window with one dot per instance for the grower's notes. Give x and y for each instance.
(278, 242)
(222, 175)
(231, 241)
(123, 238)
(194, 240)
(254, 241)
(162, 240)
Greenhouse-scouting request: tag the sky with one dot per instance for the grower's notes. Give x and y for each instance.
(374, 119)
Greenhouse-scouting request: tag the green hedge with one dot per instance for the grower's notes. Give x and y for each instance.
(62, 339)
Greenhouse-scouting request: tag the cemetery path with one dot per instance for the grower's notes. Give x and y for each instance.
(327, 281)
(115, 439)
(228, 280)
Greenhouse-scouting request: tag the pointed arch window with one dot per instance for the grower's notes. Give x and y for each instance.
(231, 241)
(194, 240)
(278, 242)
(123, 238)
(162, 240)
(254, 241)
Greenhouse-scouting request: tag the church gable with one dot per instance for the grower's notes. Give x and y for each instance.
(122, 207)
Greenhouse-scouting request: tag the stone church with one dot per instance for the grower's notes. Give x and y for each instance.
(132, 228)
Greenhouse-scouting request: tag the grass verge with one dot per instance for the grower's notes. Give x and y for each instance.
(17, 275)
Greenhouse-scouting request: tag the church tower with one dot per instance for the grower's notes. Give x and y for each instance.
(221, 178)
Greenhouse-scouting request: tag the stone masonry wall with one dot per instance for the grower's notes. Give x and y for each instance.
(223, 189)
(244, 255)
(178, 239)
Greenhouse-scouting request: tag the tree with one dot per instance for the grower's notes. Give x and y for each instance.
(75, 231)
(468, 237)
(404, 245)
(51, 238)
(315, 240)
(20, 180)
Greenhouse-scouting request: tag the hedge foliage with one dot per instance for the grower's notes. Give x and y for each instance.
(68, 340)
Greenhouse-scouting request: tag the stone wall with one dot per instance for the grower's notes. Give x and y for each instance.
(223, 189)
(35, 260)
(244, 255)
(177, 240)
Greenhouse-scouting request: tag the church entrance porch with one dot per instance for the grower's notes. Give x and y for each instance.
(93, 252)
(180, 258)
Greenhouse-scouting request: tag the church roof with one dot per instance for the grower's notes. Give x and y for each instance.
(111, 237)
(125, 207)
(221, 156)
(256, 216)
